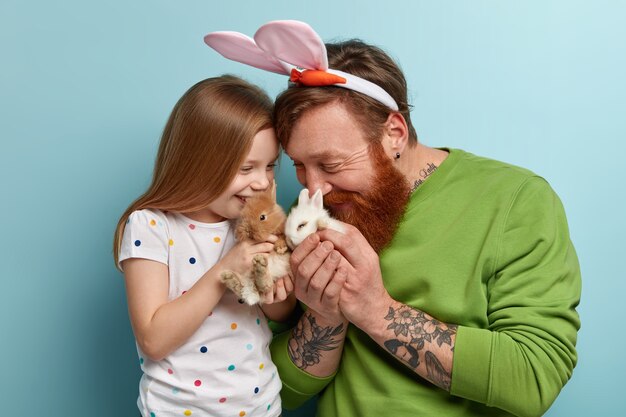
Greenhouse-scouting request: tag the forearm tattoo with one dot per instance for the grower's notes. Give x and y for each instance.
(309, 340)
(415, 332)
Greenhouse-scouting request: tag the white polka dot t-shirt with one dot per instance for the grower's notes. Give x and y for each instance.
(224, 369)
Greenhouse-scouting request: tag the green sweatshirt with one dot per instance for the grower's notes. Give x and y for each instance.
(484, 245)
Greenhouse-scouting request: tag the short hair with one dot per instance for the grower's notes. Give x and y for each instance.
(363, 60)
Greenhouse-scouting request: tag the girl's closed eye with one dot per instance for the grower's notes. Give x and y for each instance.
(246, 168)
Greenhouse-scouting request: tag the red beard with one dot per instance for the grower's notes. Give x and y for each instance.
(377, 213)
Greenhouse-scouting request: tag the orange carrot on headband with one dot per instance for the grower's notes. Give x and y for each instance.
(315, 78)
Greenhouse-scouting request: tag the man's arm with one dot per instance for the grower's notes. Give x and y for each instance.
(308, 356)
(420, 341)
(521, 361)
(415, 338)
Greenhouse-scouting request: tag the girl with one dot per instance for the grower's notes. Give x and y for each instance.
(201, 351)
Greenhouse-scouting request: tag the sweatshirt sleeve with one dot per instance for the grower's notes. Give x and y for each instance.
(298, 386)
(528, 352)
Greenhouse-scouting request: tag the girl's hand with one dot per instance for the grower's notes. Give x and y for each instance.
(239, 258)
(282, 288)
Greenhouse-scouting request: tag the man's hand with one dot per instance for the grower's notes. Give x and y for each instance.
(317, 281)
(363, 294)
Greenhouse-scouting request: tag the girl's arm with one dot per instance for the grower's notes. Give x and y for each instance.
(161, 326)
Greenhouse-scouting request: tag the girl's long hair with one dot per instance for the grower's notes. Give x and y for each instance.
(206, 139)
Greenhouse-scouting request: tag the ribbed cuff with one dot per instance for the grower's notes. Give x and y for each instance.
(298, 386)
(471, 367)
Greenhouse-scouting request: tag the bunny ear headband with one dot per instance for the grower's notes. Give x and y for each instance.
(293, 48)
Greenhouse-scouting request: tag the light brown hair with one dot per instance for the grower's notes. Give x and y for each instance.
(205, 140)
(360, 59)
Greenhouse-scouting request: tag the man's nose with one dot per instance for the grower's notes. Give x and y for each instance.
(315, 181)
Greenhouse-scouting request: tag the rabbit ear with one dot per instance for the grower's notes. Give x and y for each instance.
(318, 200)
(241, 48)
(303, 198)
(273, 190)
(294, 42)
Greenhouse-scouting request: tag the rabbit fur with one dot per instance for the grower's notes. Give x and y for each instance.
(308, 217)
(260, 217)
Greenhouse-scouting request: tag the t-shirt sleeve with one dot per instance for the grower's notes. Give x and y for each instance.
(527, 354)
(145, 236)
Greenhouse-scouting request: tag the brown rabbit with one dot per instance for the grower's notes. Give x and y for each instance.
(260, 217)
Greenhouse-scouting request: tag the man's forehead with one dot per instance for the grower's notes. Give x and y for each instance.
(318, 151)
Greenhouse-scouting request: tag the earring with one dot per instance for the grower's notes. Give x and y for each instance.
(397, 155)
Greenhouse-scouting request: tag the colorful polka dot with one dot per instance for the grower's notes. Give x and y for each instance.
(258, 321)
(169, 371)
(223, 399)
(217, 239)
(249, 346)
(231, 368)
(192, 226)
(203, 349)
(269, 406)
(171, 242)
(137, 242)
(175, 390)
(192, 260)
(256, 390)
(141, 361)
(187, 412)
(233, 326)
(152, 414)
(261, 366)
(152, 222)
(242, 413)
(197, 382)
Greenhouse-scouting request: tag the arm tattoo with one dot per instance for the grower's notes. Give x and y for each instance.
(308, 340)
(413, 329)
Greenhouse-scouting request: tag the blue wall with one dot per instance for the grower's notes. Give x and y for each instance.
(85, 89)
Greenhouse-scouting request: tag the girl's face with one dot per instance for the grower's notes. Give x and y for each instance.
(255, 174)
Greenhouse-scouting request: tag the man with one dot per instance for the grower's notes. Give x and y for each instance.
(452, 293)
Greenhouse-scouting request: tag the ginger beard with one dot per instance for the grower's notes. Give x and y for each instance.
(376, 213)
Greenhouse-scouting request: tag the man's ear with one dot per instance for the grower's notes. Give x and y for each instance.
(395, 135)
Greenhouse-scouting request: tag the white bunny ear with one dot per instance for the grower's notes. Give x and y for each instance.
(294, 42)
(318, 199)
(303, 198)
(241, 48)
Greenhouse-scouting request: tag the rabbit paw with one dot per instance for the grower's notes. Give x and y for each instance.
(280, 247)
(232, 281)
(259, 262)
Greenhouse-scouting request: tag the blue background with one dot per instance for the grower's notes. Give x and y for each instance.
(86, 87)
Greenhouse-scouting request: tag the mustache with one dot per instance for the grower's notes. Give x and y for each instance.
(337, 197)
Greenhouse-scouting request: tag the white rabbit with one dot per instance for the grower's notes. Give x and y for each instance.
(307, 217)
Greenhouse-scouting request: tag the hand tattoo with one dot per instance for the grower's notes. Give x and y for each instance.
(414, 329)
(308, 340)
